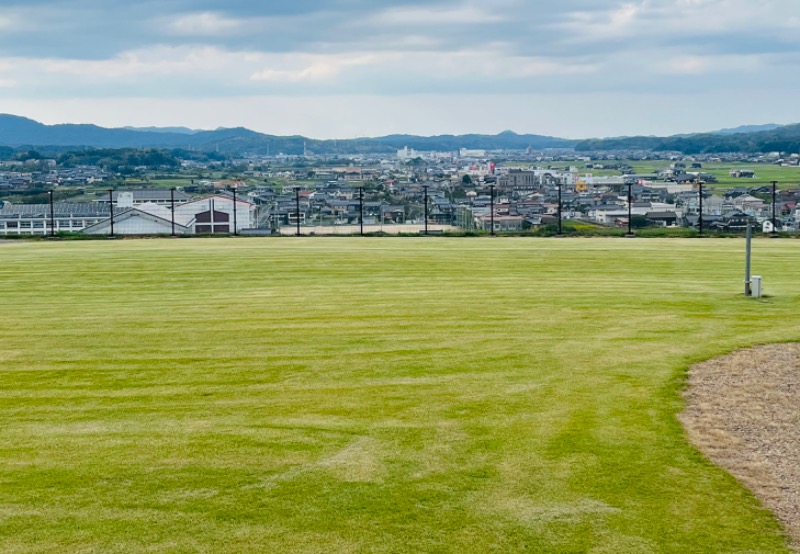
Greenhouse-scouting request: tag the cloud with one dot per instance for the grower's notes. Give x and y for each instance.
(435, 15)
(159, 49)
(703, 65)
(317, 68)
(689, 65)
(156, 70)
(204, 24)
(158, 61)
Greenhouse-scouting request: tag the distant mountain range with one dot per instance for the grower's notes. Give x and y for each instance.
(16, 131)
(744, 129)
(748, 139)
(21, 132)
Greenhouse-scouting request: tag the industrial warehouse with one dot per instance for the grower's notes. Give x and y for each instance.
(131, 213)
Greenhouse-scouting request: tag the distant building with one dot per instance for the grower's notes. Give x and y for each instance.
(136, 197)
(215, 214)
(139, 221)
(406, 153)
(34, 219)
(520, 180)
(501, 222)
(467, 153)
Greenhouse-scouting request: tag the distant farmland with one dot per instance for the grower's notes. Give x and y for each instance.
(373, 395)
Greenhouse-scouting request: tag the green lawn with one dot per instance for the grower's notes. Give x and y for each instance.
(373, 395)
(787, 177)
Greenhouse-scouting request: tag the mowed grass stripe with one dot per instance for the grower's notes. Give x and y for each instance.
(375, 395)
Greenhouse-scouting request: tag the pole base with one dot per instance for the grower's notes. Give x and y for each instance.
(630, 235)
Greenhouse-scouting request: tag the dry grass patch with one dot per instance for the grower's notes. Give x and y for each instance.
(743, 412)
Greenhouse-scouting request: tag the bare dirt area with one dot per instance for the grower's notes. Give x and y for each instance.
(743, 412)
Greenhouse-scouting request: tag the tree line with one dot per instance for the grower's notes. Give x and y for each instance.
(783, 139)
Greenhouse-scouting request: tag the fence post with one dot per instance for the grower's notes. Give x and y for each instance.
(172, 207)
(111, 207)
(52, 215)
(425, 189)
(491, 208)
(297, 207)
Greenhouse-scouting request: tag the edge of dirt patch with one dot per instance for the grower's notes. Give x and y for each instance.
(743, 413)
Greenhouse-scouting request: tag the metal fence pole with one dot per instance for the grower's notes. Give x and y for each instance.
(630, 206)
(747, 283)
(774, 206)
(235, 222)
(491, 208)
(111, 208)
(559, 208)
(425, 190)
(297, 206)
(52, 215)
(172, 207)
(700, 217)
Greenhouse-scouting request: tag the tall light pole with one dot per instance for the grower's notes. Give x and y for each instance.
(700, 218)
(172, 207)
(361, 210)
(297, 208)
(111, 208)
(559, 208)
(491, 208)
(52, 215)
(748, 240)
(425, 200)
(630, 205)
(235, 222)
(774, 206)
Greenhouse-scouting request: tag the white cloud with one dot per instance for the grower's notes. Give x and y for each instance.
(702, 65)
(544, 67)
(604, 24)
(624, 16)
(311, 49)
(689, 65)
(155, 68)
(314, 68)
(158, 61)
(655, 23)
(433, 15)
(5, 82)
(208, 24)
(12, 22)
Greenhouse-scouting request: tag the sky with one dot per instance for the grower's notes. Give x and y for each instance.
(353, 68)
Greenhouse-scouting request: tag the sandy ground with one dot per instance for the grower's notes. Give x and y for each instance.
(743, 412)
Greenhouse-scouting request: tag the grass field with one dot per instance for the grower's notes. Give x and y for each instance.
(787, 177)
(373, 395)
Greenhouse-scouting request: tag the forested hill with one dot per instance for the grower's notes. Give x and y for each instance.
(18, 132)
(781, 139)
